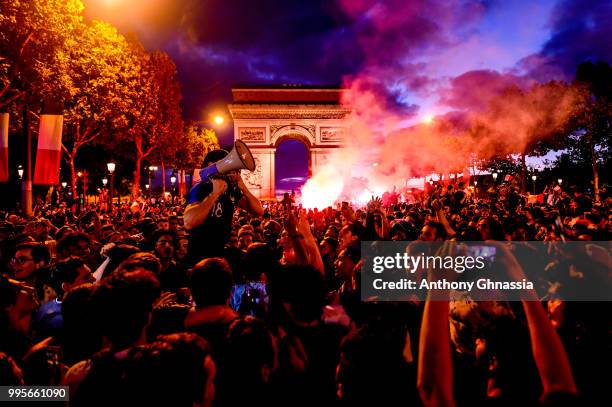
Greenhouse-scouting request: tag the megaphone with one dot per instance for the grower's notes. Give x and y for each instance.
(238, 159)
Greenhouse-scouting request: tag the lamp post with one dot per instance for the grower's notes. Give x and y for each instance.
(76, 195)
(104, 183)
(111, 168)
(560, 181)
(494, 176)
(64, 185)
(152, 169)
(533, 178)
(172, 181)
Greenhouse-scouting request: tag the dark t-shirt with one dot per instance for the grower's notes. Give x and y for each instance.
(209, 238)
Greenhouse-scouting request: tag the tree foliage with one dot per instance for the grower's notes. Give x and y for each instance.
(154, 115)
(591, 128)
(115, 92)
(96, 83)
(31, 33)
(196, 143)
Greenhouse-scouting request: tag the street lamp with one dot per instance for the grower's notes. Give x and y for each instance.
(20, 171)
(111, 168)
(79, 174)
(172, 181)
(104, 181)
(152, 168)
(64, 185)
(533, 178)
(219, 120)
(560, 181)
(494, 176)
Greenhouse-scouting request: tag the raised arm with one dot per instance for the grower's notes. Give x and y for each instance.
(249, 202)
(435, 372)
(314, 256)
(441, 215)
(196, 213)
(548, 351)
(297, 239)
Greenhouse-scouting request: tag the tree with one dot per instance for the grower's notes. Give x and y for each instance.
(154, 116)
(502, 165)
(196, 143)
(31, 32)
(530, 122)
(592, 126)
(95, 79)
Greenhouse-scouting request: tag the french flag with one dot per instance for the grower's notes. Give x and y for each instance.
(49, 151)
(4, 131)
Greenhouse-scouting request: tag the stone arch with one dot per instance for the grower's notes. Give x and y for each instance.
(264, 117)
(293, 132)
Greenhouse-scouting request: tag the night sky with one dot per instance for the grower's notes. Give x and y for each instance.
(419, 57)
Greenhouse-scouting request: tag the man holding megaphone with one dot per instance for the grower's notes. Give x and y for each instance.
(211, 202)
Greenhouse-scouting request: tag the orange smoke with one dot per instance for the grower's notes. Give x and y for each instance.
(513, 122)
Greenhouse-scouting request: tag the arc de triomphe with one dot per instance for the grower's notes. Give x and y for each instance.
(266, 116)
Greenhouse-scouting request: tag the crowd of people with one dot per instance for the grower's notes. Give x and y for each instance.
(229, 301)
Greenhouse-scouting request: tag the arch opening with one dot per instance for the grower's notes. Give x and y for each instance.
(292, 165)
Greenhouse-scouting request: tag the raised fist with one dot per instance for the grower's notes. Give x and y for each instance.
(219, 186)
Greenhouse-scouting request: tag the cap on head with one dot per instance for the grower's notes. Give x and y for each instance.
(214, 156)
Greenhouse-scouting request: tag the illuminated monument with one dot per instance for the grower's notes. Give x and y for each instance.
(264, 117)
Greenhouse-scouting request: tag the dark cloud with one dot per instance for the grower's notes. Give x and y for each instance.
(223, 43)
(581, 30)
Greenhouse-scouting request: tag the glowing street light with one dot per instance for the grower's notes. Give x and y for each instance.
(79, 174)
(147, 186)
(152, 169)
(533, 178)
(172, 180)
(560, 181)
(218, 119)
(20, 171)
(111, 168)
(104, 181)
(64, 184)
(494, 176)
